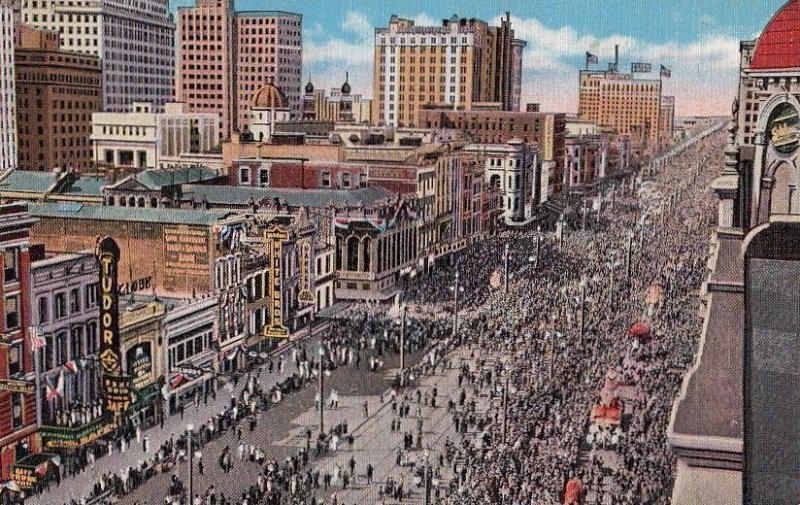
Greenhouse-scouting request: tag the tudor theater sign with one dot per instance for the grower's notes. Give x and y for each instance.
(116, 386)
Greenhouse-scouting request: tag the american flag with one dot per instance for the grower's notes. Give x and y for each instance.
(36, 336)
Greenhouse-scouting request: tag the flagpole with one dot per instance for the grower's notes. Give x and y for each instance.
(37, 367)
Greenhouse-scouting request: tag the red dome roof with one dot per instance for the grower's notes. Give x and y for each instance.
(779, 44)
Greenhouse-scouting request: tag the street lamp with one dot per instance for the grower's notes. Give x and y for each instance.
(402, 337)
(582, 285)
(538, 246)
(189, 430)
(628, 255)
(321, 390)
(505, 269)
(456, 287)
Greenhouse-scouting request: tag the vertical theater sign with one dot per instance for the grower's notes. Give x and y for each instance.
(116, 385)
(274, 239)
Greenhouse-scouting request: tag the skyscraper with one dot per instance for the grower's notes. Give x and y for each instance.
(462, 62)
(8, 120)
(134, 40)
(225, 57)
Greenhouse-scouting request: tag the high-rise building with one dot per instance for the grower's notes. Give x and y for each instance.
(53, 120)
(461, 63)
(8, 115)
(629, 106)
(666, 118)
(134, 40)
(225, 57)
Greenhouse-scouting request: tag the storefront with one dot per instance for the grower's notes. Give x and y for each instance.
(71, 442)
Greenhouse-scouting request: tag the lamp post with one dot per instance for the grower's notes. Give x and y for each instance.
(505, 408)
(505, 269)
(583, 218)
(321, 390)
(628, 256)
(538, 246)
(560, 232)
(189, 430)
(402, 337)
(426, 477)
(582, 285)
(456, 287)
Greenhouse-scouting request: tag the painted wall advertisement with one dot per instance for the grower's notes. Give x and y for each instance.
(116, 387)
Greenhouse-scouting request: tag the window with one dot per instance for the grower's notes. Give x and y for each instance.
(91, 295)
(263, 177)
(59, 306)
(74, 301)
(12, 312)
(244, 176)
(16, 410)
(14, 360)
(43, 312)
(11, 264)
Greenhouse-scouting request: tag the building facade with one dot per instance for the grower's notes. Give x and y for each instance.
(135, 42)
(666, 126)
(629, 106)
(18, 421)
(461, 63)
(340, 105)
(57, 93)
(225, 57)
(8, 113)
(136, 140)
(65, 312)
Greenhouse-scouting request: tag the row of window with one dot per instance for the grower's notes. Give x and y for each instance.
(58, 307)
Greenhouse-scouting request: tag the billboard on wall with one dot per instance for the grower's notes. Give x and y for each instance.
(116, 387)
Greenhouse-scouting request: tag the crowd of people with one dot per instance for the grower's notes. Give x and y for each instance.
(546, 345)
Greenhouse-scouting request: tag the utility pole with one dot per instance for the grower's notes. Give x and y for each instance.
(403, 337)
(628, 256)
(583, 306)
(455, 306)
(583, 218)
(189, 429)
(505, 409)
(321, 390)
(505, 270)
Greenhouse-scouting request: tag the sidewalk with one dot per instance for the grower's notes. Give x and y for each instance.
(80, 486)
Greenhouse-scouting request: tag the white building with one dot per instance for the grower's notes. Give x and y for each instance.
(269, 106)
(8, 111)
(512, 167)
(134, 40)
(139, 139)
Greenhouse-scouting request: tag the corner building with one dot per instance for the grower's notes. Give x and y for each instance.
(461, 63)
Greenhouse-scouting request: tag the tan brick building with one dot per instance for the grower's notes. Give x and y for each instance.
(57, 92)
(631, 107)
(462, 62)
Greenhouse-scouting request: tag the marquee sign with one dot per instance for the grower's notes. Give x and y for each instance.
(17, 386)
(273, 241)
(305, 295)
(116, 389)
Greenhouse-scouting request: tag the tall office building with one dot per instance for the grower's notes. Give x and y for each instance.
(53, 120)
(459, 64)
(629, 106)
(225, 57)
(134, 40)
(8, 115)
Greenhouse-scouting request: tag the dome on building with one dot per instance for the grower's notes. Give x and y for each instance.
(778, 47)
(346, 85)
(269, 97)
(309, 88)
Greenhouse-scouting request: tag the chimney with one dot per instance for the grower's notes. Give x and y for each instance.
(616, 55)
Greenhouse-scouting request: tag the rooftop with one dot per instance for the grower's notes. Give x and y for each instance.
(315, 198)
(157, 179)
(72, 210)
(778, 47)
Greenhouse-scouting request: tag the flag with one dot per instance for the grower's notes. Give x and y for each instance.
(591, 58)
(36, 338)
(665, 72)
(58, 390)
(72, 366)
(41, 469)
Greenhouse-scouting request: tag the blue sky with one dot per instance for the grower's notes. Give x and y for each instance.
(698, 40)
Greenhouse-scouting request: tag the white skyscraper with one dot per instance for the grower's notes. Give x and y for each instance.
(8, 111)
(134, 40)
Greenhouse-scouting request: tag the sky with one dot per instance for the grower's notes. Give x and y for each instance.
(698, 40)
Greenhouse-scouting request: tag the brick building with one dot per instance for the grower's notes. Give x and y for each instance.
(461, 63)
(57, 93)
(18, 423)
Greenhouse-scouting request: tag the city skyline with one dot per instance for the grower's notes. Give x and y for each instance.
(699, 44)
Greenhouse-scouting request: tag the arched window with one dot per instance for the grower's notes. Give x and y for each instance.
(123, 202)
(141, 201)
(154, 202)
(132, 201)
(352, 253)
(367, 244)
(110, 201)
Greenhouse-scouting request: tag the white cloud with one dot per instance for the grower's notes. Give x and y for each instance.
(357, 23)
